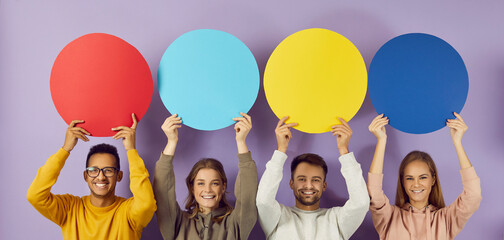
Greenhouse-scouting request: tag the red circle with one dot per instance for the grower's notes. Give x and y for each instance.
(101, 79)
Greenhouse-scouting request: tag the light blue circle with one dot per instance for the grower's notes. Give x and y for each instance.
(418, 80)
(208, 77)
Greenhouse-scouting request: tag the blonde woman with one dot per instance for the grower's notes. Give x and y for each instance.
(419, 211)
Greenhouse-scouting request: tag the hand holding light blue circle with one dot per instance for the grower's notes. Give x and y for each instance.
(208, 77)
(418, 80)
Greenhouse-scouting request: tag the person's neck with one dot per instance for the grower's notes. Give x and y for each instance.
(102, 201)
(307, 208)
(205, 211)
(419, 205)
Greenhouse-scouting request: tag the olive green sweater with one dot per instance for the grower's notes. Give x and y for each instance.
(176, 224)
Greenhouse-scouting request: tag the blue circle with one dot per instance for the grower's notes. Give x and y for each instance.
(418, 81)
(208, 77)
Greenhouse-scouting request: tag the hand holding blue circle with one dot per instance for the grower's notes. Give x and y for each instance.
(208, 77)
(418, 80)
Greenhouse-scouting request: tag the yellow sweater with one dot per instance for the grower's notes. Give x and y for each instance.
(79, 219)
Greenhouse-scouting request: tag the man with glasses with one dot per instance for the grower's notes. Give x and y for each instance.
(102, 214)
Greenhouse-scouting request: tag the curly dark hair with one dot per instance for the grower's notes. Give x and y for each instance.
(104, 148)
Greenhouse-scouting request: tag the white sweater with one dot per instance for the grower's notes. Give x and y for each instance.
(292, 223)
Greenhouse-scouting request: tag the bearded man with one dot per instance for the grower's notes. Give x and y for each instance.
(307, 220)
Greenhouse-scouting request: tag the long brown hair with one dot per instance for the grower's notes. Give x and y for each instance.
(192, 205)
(435, 196)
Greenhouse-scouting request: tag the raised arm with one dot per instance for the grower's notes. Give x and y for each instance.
(245, 212)
(343, 133)
(170, 128)
(168, 212)
(377, 127)
(351, 215)
(242, 128)
(381, 210)
(459, 212)
(54, 207)
(268, 208)
(143, 205)
(457, 129)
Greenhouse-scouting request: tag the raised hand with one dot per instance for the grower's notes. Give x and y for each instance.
(283, 134)
(343, 133)
(127, 134)
(242, 129)
(73, 134)
(457, 128)
(170, 127)
(377, 127)
(243, 126)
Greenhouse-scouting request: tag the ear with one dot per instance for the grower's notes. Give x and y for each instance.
(119, 176)
(85, 176)
(324, 187)
(291, 184)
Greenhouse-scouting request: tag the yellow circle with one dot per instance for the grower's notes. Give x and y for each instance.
(315, 76)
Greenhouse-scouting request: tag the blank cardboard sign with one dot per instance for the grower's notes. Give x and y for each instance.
(101, 79)
(315, 76)
(418, 80)
(208, 77)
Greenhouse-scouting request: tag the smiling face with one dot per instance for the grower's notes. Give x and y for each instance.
(418, 182)
(208, 189)
(102, 187)
(308, 183)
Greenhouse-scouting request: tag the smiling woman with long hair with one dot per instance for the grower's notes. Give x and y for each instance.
(419, 211)
(435, 196)
(192, 205)
(207, 215)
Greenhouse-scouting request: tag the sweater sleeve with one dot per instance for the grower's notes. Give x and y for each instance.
(53, 207)
(352, 214)
(245, 212)
(169, 215)
(380, 208)
(459, 212)
(267, 206)
(143, 205)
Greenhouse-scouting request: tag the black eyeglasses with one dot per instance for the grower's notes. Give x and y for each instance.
(107, 171)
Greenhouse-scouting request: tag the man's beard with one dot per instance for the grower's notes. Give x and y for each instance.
(304, 201)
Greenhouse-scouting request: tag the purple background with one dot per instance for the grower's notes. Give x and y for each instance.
(34, 32)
